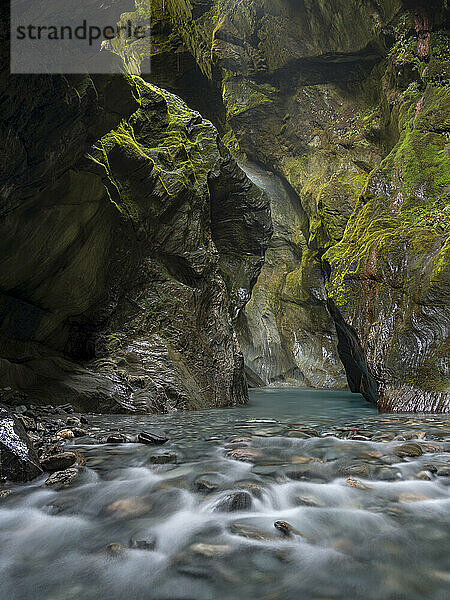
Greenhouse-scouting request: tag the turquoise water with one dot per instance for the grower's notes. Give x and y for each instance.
(362, 522)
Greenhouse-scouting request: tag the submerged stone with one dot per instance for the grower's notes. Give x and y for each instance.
(408, 450)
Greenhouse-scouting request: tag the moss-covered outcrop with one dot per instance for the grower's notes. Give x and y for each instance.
(355, 118)
(130, 239)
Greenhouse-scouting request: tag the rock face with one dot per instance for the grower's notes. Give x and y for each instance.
(18, 459)
(130, 241)
(285, 331)
(355, 119)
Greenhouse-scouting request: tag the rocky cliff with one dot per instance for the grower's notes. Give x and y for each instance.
(348, 102)
(130, 241)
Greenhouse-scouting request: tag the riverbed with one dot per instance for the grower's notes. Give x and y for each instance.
(302, 494)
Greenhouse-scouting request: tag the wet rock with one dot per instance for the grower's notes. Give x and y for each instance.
(301, 500)
(65, 434)
(244, 454)
(249, 532)
(73, 422)
(59, 462)
(443, 471)
(431, 468)
(155, 438)
(164, 458)
(234, 502)
(211, 550)
(255, 489)
(148, 544)
(79, 432)
(266, 470)
(410, 497)
(129, 507)
(28, 422)
(388, 474)
(356, 470)
(18, 459)
(355, 483)
(63, 479)
(115, 550)
(116, 438)
(286, 529)
(409, 449)
(301, 435)
(305, 472)
(423, 475)
(208, 484)
(343, 545)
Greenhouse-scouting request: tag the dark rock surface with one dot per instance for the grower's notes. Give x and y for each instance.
(128, 247)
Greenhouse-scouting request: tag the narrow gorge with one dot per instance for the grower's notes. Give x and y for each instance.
(224, 292)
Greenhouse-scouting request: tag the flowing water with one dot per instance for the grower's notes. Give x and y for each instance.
(364, 523)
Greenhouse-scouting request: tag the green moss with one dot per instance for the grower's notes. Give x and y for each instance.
(241, 95)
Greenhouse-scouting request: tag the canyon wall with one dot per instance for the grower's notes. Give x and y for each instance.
(347, 102)
(129, 242)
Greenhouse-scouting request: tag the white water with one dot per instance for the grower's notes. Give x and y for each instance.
(381, 540)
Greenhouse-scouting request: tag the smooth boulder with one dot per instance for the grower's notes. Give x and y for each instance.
(18, 458)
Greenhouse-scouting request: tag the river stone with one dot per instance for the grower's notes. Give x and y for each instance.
(286, 529)
(234, 502)
(409, 449)
(65, 434)
(244, 454)
(63, 479)
(388, 474)
(152, 438)
(73, 422)
(356, 469)
(79, 432)
(208, 484)
(28, 422)
(164, 458)
(211, 550)
(18, 459)
(116, 438)
(147, 544)
(443, 471)
(59, 462)
(115, 549)
(249, 531)
(304, 472)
